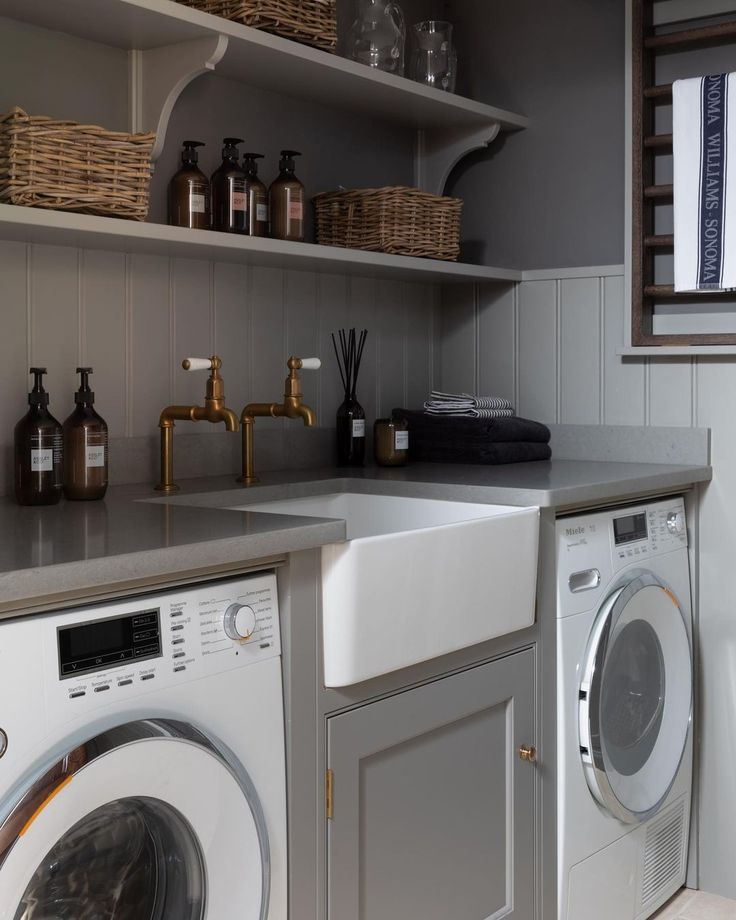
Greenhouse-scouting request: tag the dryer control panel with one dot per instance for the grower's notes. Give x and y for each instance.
(592, 548)
(104, 654)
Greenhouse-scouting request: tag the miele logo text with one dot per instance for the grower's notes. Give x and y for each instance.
(574, 531)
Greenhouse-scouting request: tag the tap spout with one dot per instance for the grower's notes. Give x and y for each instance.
(291, 407)
(214, 410)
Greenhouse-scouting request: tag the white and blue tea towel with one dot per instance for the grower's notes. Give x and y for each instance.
(462, 405)
(704, 147)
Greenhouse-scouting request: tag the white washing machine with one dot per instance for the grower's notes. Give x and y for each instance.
(142, 758)
(624, 697)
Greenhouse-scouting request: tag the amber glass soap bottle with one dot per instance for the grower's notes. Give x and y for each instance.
(38, 447)
(85, 446)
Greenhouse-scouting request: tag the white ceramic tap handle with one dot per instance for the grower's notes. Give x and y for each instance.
(197, 364)
(311, 364)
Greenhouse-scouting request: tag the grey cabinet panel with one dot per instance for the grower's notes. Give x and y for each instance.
(433, 811)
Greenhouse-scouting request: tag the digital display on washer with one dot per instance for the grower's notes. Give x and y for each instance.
(96, 646)
(630, 529)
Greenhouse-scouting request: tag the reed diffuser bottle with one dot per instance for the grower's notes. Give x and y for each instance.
(350, 415)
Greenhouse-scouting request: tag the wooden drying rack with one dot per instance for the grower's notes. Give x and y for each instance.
(646, 45)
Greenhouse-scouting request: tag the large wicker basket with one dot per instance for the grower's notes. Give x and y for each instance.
(311, 22)
(70, 167)
(397, 220)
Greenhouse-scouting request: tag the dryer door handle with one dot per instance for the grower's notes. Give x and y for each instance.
(584, 581)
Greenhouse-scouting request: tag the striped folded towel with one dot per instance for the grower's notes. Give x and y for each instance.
(462, 405)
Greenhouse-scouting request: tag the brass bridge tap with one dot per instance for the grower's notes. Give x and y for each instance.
(214, 410)
(291, 407)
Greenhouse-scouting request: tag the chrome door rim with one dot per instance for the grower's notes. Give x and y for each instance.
(611, 614)
(31, 798)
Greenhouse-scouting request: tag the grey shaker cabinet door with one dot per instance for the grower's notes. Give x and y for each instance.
(433, 809)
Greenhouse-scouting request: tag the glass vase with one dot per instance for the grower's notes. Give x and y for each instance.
(350, 432)
(434, 58)
(378, 36)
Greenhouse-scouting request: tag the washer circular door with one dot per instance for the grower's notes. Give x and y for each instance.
(150, 820)
(636, 699)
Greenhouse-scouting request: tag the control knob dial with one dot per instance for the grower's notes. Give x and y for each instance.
(676, 522)
(239, 622)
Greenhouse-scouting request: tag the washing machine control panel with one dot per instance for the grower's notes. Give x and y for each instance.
(593, 547)
(127, 648)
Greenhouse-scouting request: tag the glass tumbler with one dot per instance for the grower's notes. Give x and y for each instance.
(434, 59)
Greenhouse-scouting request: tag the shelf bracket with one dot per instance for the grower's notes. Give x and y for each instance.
(159, 76)
(439, 150)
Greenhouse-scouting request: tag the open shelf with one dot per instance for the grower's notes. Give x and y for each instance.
(58, 228)
(261, 59)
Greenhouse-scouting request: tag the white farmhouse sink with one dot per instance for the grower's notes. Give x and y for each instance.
(417, 578)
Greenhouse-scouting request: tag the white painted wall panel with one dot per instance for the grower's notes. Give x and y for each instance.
(538, 355)
(333, 315)
(390, 322)
(458, 371)
(232, 331)
(671, 392)
(149, 367)
(103, 330)
(55, 330)
(192, 321)
(363, 307)
(580, 352)
(421, 301)
(14, 360)
(133, 318)
(302, 330)
(497, 329)
(624, 382)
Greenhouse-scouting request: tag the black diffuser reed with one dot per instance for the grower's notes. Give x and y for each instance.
(350, 415)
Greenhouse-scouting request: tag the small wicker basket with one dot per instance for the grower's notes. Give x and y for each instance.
(311, 22)
(70, 167)
(396, 220)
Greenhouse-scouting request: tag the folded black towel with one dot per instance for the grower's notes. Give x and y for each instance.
(492, 454)
(476, 431)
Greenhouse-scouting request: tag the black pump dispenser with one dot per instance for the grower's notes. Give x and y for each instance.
(84, 396)
(85, 446)
(230, 148)
(250, 164)
(38, 396)
(287, 165)
(38, 449)
(189, 155)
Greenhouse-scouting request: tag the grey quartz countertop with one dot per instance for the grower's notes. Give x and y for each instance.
(133, 538)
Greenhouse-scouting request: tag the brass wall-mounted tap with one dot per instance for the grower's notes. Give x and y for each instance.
(292, 407)
(214, 410)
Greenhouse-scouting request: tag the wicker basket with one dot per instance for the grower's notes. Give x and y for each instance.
(397, 220)
(311, 22)
(70, 167)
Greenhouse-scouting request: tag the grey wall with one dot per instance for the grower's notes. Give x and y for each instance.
(549, 196)
(133, 318)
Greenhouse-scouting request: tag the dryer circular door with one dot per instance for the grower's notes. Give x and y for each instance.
(151, 820)
(635, 700)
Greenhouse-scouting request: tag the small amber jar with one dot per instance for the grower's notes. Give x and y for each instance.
(391, 441)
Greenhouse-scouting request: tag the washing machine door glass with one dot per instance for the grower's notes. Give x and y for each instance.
(636, 699)
(151, 820)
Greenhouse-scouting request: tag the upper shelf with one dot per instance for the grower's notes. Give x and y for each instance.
(59, 228)
(262, 59)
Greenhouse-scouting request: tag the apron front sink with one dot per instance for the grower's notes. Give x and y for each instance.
(417, 578)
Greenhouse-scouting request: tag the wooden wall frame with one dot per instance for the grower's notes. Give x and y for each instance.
(645, 44)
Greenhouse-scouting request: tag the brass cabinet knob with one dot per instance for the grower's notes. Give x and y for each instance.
(528, 753)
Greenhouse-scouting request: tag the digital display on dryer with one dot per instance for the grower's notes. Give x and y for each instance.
(630, 529)
(103, 644)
